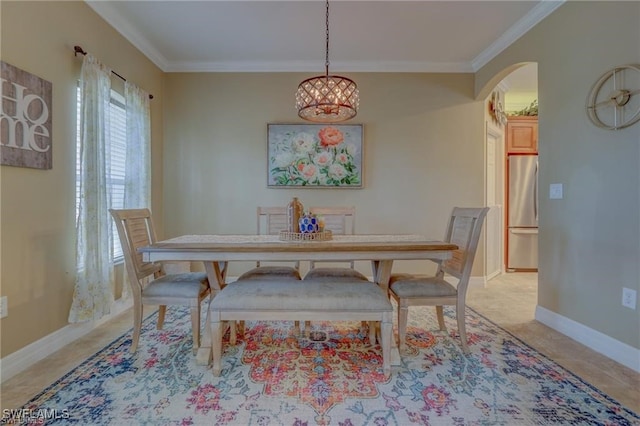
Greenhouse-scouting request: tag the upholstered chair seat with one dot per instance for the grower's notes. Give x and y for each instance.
(334, 274)
(270, 273)
(406, 285)
(178, 285)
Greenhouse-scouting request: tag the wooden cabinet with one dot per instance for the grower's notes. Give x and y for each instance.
(522, 135)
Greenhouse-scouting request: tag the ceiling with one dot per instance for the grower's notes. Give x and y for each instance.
(365, 36)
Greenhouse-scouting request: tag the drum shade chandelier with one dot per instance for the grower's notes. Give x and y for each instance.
(327, 98)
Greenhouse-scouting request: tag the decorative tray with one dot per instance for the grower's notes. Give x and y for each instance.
(308, 236)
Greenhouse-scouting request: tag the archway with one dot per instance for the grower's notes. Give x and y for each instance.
(514, 88)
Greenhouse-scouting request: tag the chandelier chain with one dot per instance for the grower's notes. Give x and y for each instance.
(326, 63)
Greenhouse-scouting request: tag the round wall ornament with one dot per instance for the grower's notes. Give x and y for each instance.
(496, 109)
(614, 99)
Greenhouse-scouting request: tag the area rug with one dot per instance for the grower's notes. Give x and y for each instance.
(328, 375)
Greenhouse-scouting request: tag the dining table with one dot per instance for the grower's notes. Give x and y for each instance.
(216, 251)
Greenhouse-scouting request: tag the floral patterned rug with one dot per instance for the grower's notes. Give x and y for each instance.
(330, 375)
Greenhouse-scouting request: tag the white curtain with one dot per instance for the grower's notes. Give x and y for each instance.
(137, 168)
(93, 294)
(137, 181)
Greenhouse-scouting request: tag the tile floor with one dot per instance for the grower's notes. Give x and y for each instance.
(508, 300)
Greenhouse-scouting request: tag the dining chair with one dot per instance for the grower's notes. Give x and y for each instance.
(271, 220)
(340, 221)
(463, 230)
(149, 283)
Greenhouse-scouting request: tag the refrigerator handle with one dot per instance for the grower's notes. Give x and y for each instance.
(535, 193)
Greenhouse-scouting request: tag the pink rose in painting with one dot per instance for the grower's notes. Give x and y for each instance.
(308, 171)
(330, 136)
(324, 158)
(342, 158)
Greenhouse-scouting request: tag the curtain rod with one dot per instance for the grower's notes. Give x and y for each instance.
(79, 49)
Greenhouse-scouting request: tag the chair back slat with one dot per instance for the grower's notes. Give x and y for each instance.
(135, 230)
(138, 234)
(272, 220)
(465, 226)
(338, 220)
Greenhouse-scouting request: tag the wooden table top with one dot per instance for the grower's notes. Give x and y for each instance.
(272, 243)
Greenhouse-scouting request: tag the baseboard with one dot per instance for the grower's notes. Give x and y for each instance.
(493, 275)
(599, 342)
(24, 358)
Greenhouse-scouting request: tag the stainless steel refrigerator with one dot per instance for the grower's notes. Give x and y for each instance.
(522, 223)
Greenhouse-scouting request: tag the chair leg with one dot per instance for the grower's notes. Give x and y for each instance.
(386, 330)
(216, 344)
(440, 316)
(461, 328)
(137, 326)
(241, 328)
(372, 332)
(236, 329)
(195, 327)
(306, 325)
(403, 316)
(233, 332)
(162, 309)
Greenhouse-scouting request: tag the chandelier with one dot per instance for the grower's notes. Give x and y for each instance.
(327, 98)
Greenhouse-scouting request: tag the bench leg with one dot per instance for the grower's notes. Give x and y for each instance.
(385, 333)
(216, 344)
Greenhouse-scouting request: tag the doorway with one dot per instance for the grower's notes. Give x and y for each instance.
(516, 92)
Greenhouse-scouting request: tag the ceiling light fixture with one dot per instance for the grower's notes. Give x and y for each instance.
(327, 98)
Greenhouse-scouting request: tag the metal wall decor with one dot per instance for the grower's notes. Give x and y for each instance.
(496, 109)
(614, 99)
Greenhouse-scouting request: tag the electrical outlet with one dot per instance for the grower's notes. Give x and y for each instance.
(4, 310)
(628, 298)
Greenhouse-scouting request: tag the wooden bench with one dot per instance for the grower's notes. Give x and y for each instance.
(302, 300)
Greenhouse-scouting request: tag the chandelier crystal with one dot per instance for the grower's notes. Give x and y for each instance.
(327, 98)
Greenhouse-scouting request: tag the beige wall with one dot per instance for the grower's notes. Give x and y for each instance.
(590, 240)
(37, 206)
(423, 150)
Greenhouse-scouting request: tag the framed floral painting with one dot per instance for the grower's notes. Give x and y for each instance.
(314, 155)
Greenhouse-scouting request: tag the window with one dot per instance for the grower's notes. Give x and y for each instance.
(116, 170)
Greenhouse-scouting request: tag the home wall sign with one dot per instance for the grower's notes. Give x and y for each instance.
(25, 119)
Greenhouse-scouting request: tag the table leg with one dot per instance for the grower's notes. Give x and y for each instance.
(381, 275)
(216, 272)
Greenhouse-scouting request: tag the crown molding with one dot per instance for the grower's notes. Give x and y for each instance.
(107, 12)
(315, 66)
(531, 19)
